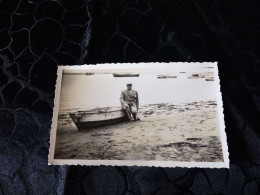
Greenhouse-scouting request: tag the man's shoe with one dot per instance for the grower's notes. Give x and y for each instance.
(135, 117)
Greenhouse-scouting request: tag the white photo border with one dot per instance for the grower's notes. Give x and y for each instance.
(128, 66)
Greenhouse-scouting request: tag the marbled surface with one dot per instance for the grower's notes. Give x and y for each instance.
(35, 36)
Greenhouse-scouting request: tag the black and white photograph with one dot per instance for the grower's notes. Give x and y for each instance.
(154, 114)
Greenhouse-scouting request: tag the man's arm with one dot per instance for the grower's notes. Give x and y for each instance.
(137, 101)
(122, 97)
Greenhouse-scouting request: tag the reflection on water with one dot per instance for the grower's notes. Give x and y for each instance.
(101, 90)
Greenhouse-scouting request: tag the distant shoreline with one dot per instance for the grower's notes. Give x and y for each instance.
(143, 107)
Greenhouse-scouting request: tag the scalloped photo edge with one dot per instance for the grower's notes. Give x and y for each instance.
(140, 68)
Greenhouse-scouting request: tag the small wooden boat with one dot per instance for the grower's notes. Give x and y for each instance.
(97, 117)
(210, 79)
(125, 75)
(166, 76)
(89, 73)
(195, 75)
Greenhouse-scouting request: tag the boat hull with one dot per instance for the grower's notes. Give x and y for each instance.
(91, 124)
(88, 120)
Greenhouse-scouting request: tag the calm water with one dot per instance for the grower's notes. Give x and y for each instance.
(101, 90)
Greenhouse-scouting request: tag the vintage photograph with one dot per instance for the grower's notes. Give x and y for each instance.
(154, 114)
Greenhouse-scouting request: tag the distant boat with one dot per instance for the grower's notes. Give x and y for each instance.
(97, 117)
(89, 73)
(210, 79)
(182, 72)
(196, 76)
(125, 75)
(166, 76)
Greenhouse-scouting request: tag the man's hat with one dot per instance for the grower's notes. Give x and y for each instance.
(128, 83)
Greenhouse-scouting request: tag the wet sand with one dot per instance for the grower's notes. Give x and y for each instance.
(187, 132)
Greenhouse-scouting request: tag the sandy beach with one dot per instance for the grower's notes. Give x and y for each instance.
(187, 132)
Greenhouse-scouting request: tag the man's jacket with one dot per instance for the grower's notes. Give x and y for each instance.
(129, 96)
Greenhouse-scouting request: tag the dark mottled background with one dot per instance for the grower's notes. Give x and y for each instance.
(36, 35)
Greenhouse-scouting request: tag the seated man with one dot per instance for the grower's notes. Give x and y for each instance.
(130, 102)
